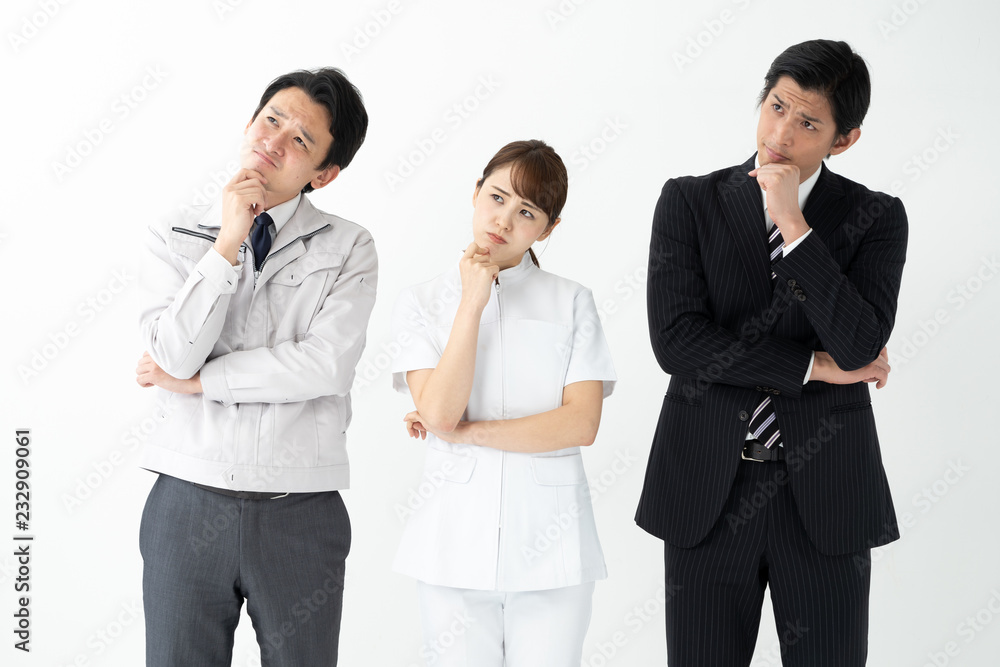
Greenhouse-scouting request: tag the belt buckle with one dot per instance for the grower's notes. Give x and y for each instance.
(743, 452)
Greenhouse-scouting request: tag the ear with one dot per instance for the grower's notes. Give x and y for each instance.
(544, 235)
(475, 193)
(845, 141)
(325, 177)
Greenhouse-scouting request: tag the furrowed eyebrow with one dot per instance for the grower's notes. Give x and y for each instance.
(814, 121)
(523, 201)
(280, 114)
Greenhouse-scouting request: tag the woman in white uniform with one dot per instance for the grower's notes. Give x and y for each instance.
(508, 368)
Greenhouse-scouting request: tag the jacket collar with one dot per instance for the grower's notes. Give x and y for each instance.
(289, 243)
(516, 274)
(305, 220)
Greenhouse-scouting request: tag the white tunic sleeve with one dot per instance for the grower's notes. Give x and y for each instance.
(590, 358)
(411, 331)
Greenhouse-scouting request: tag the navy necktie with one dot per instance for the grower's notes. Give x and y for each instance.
(764, 423)
(260, 238)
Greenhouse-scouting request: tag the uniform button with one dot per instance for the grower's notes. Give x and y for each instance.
(802, 297)
(791, 282)
(759, 388)
(776, 392)
(744, 415)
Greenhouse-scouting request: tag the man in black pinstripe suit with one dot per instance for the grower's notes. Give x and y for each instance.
(771, 294)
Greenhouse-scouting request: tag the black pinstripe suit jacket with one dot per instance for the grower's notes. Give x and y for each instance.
(727, 338)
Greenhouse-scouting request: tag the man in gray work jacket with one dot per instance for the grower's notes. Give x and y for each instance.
(254, 318)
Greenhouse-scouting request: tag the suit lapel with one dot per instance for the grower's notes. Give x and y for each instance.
(743, 208)
(827, 207)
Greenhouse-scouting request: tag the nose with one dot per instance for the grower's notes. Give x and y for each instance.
(275, 143)
(783, 131)
(505, 220)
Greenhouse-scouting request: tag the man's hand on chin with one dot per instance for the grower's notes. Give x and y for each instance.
(781, 183)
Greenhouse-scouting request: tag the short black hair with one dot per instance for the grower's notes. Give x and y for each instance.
(329, 87)
(831, 68)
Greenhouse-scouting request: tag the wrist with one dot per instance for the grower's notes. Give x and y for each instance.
(228, 248)
(792, 228)
(821, 367)
(470, 307)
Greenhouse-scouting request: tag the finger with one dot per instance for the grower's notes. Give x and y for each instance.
(470, 250)
(247, 174)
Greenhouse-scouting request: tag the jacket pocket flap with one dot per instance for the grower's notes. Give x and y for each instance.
(558, 470)
(448, 466)
(190, 244)
(296, 271)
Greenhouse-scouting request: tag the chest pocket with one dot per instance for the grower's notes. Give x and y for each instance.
(296, 293)
(297, 271)
(188, 245)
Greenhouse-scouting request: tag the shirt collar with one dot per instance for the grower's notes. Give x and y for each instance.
(283, 212)
(805, 187)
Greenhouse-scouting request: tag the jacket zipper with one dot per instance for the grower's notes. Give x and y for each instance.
(181, 230)
(503, 454)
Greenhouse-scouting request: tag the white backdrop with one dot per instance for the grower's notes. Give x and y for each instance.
(118, 112)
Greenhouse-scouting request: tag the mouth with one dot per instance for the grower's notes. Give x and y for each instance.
(496, 240)
(773, 156)
(263, 158)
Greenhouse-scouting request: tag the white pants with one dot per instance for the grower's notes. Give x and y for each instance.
(467, 628)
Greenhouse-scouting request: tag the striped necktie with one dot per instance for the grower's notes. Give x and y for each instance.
(764, 422)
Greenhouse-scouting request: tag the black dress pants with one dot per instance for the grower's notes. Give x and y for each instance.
(820, 602)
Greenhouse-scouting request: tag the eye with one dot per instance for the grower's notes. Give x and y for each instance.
(808, 125)
(497, 198)
(528, 214)
(272, 120)
(301, 143)
(776, 107)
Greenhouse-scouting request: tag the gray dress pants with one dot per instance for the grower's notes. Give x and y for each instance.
(204, 553)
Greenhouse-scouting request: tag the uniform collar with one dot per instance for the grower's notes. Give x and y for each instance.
(517, 273)
(282, 213)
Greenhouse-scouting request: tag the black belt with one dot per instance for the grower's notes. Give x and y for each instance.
(245, 495)
(754, 450)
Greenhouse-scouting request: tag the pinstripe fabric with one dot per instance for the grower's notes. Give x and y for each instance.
(820, 601)
(727, 337)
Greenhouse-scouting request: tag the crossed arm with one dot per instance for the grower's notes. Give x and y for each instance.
(687, 340)
(181, 331)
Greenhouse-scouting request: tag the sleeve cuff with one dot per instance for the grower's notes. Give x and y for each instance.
(790, 247)
(217, 270)
(213, 380)
(809, 369)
